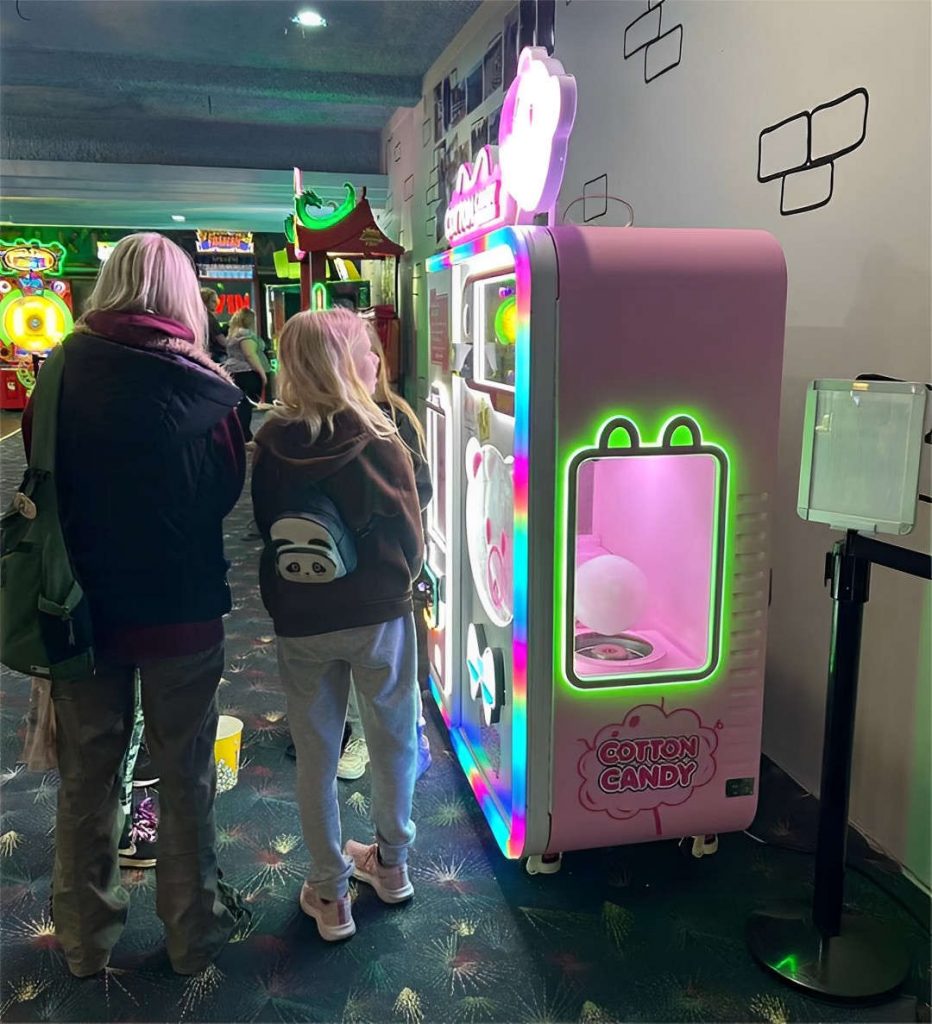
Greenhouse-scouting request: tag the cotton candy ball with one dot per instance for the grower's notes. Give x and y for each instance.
(611, 594)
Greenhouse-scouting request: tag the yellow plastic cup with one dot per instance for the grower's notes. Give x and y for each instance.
(227, 750)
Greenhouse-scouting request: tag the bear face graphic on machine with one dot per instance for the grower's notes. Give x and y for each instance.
(490, 498)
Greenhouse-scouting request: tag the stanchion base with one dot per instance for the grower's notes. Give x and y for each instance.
(866, 961)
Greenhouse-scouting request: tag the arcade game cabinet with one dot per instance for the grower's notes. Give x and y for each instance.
(226, 262)
(35, 313)
(323, 233)
(602, 433)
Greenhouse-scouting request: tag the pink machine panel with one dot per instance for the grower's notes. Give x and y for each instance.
(602, 429)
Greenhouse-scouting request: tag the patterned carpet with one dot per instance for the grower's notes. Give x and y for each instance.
(629, 934)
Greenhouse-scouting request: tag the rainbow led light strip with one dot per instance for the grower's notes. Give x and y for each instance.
(510, 836)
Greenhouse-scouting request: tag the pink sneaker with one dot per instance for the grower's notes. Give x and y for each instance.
(334, 917)
(390, 883)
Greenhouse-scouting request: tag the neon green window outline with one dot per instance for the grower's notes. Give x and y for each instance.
(564, 570)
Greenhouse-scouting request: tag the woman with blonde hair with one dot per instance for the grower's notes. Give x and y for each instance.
(216, 339)
(246, 363)
(354, 756)
(329, 445)
(150, 459)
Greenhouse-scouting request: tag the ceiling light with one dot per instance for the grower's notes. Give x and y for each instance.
(309, 19)
(179, 218)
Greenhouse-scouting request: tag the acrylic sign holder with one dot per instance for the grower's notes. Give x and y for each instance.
(826, 951)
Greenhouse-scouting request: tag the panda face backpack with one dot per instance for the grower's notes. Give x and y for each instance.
(312, 544)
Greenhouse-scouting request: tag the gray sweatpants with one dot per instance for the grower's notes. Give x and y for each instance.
(315, 673)
(95, 719)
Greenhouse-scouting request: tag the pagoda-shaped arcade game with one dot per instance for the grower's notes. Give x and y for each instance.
(322, 232)
(602, 433)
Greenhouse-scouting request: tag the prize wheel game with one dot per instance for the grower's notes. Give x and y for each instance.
(35, 313)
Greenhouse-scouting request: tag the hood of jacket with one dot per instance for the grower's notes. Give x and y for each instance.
(143, 376)
(334, 448)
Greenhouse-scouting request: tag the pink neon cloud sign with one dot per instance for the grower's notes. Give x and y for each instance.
(510, 183)
(537, 118)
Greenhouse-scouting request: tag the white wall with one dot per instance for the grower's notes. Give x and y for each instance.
(683, 149)
(399, 162)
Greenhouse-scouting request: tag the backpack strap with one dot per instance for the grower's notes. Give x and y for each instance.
(44, 403)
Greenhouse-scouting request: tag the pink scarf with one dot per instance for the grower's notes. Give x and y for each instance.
(153, 333)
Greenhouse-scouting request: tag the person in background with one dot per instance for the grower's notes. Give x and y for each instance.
(150, 459)
(247, 364)
(329, 436)
(355, 753)
(405, 419)
(216, 339)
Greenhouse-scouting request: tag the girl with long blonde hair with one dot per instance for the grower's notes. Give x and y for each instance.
(329, 438)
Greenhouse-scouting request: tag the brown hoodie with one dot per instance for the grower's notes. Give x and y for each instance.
(371, 482)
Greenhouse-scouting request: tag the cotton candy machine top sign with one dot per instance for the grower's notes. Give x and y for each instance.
(511, 182)
(537, 118)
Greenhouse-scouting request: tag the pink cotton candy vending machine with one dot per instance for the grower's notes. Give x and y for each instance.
(602, 432)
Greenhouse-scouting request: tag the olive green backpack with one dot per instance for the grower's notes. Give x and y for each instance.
(45, 623)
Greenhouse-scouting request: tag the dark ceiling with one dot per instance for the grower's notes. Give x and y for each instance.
(214, 83)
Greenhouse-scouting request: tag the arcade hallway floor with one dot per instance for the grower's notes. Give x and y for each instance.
(629, 934)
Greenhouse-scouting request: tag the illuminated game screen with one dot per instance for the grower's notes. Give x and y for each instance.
(490, 324)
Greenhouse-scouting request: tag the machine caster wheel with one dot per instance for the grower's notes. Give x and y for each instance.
(701, 846)
(543, 863)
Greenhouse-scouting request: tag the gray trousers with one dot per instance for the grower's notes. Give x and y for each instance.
(316, 672)
(95, 721)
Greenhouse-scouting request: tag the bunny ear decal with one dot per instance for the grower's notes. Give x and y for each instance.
(682, 432)
(632, 437)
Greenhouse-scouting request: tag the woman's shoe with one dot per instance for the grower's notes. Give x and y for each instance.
(390, 881)
(143, 837)
(353, 760)
(334, 917)
(424, 759)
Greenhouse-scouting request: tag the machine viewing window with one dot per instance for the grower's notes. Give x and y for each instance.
(490, 326)
(645, 562)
